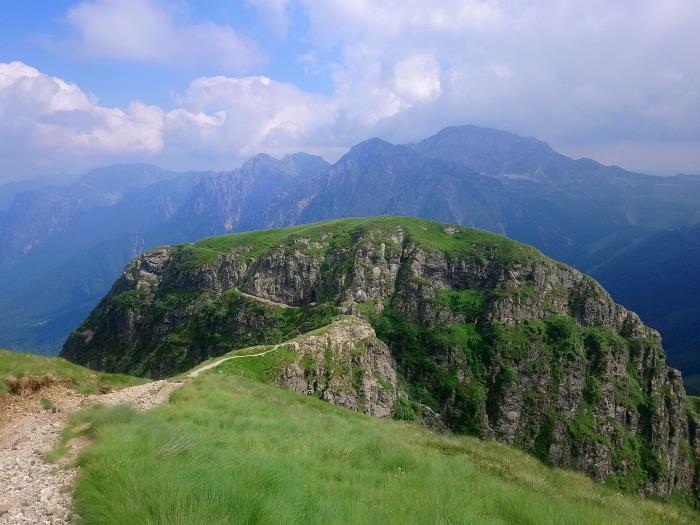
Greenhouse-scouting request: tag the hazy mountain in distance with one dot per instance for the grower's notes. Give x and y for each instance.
(376, 177)
(238, 200)
(60, 245)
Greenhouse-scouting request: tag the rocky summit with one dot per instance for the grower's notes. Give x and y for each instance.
(460, 328)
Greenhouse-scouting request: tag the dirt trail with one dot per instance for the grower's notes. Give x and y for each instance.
(268, 302)
(33, 491)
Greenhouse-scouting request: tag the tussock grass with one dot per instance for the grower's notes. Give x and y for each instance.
(228, 449)
(85, 423)
(18, 369)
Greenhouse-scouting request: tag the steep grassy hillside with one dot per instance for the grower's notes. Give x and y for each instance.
(17, 370)
(228, 449)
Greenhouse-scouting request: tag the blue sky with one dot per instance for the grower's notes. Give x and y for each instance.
(206, 84)
(29, 28)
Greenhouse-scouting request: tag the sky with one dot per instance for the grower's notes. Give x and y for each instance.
(207, 84)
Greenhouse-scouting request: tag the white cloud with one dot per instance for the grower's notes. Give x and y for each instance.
(417, 77)
(239, 117)
(47, 124)
(24, 90)
(569, 72)
(147, 31)
(591, 78)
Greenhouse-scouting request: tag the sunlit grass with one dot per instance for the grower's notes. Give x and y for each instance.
(18, 365)
(228, 449)
(431, 236)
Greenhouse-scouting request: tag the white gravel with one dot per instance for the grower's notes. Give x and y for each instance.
(32, 490)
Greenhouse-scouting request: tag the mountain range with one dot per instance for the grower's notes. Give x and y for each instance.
(61, 246)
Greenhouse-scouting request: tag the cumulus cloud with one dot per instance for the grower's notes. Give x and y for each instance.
(615, 81)
(573, 73)
(239, 117)
(47, 123)
(50, 124)
(148, 31)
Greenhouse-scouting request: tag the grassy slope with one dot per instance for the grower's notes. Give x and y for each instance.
(228, 449)
(18, 365)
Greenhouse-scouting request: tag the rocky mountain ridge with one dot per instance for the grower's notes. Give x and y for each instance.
(487, 334)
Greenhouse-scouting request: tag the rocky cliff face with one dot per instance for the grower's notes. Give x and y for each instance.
(487, 336)
(343, 363)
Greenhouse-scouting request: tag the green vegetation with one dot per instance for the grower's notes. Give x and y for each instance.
(558, 342)
(129, 300)
(694, 406)
(84, 423)
(217, 325)
(431, 236)
(16, 366)
(47, 404)
(466, 302)
(263, 368)
(406, 409)
(517, 291)
(231, 450)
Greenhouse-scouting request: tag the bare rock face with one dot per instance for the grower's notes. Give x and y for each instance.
(286, 277)
(344, 364)
(491, 338)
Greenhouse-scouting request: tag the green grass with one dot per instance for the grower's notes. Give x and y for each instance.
(431, 236)
(228, 449)
(19, 365)
(694, 402)
(83, 423)
(470, 303)
(263, 368)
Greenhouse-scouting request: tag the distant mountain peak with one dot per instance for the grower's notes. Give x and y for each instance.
(291, 164)
(468, 131)
(489, 151)
(376, 149)
(373, 144)
(300, 155)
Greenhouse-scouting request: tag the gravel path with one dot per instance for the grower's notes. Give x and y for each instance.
(33, 491)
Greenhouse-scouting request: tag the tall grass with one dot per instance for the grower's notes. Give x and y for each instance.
(228, 449)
